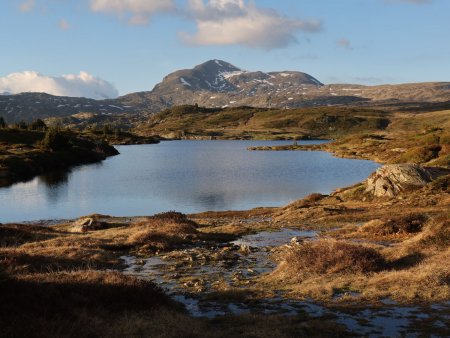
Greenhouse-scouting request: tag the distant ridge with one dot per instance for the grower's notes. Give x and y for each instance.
(217, 83)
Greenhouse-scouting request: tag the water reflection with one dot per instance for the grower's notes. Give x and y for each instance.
(188, 176)
(55, 185)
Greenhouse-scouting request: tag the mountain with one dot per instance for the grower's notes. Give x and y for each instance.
(217, 76)
(217, 83)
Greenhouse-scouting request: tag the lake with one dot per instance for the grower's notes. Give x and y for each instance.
(186, 176)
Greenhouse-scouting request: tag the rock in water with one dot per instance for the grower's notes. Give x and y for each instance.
(390, 180)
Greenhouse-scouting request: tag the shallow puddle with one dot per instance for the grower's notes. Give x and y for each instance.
(217, 281)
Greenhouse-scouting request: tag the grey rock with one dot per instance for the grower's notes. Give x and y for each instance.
(86, 224)
(392, 179)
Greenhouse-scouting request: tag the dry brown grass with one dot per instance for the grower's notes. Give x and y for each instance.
(163, 232)
(414, 268)
(307, 201)
(18, 234)
(67, 303)
(435, 235)
(49, 288)
(331, 257)
(404, 224)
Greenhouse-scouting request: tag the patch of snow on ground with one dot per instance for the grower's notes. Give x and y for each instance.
(112, 106)
(227, 75)
(183, 81)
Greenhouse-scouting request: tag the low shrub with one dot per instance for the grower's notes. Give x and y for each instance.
(308, 201)
(419, 154)
(18, 234)
(411, 223)
(441, 184)
(170, 216)
(164, 231)
(329, 257)
(437, 233)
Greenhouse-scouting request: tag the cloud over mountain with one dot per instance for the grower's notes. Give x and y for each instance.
(81, 85)
(236, 22)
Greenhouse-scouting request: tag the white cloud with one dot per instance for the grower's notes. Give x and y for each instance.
(236, 22)
(81, 85)
(27, 5)
(137, 12)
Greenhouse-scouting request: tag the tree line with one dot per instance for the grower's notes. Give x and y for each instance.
(37, 125)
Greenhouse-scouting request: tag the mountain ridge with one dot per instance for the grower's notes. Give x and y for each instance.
(216, 83)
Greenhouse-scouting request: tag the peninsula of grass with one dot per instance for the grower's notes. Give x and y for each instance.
(26, 153)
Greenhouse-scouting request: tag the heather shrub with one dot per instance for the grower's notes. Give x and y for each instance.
(329, 257)
(407, 224)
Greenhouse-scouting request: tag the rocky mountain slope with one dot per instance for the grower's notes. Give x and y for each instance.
(30, 106)
(217, 83)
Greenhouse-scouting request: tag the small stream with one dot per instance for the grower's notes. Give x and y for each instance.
(217, 281)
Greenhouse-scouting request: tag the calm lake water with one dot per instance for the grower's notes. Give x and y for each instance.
(187, 176)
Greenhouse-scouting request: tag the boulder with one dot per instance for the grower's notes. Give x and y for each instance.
(86, 224)
(392, 179)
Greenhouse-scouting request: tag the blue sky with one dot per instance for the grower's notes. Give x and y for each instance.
(133, 44)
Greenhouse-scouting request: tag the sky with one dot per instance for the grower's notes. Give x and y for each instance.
(105, 48)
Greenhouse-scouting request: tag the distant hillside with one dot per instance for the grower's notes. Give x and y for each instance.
(31, 106)
(217, 84)
(250, 123)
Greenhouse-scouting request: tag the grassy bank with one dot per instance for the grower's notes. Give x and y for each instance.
(410, 138)
(27, 153)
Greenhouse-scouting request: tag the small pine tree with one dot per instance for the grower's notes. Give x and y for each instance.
(2, 123)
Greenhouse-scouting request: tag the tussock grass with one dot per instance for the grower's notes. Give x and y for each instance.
(331, 257)
(441, 184)
(404, 224)
(163, 231)
(307, 201)
(435, 235)
(415, 267)
(70, 304)
(17, 234)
